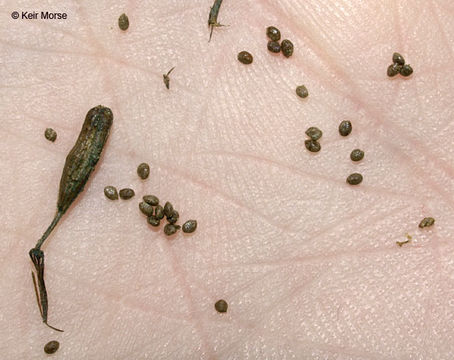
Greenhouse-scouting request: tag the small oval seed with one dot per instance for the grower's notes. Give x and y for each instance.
(145, 208)
(189, 226)
(151, 199)
(171, 229)
(345, 128)
(159, 212)
(406, 70)
(273, 46)
(50, 134)
(314, 133)
(356, 155)
(111, 192)
(126, 194)
(123, 22)
(312, 145)
(426, 222)
(273, 33)
(51, 347)
(398, 59)
(393, 70)
(173, 218)
(301, 91)
(153, 221)
(143, 170)
(354, 179)
(168, 209)
(221, 306)
(245, 58)
(287, 48)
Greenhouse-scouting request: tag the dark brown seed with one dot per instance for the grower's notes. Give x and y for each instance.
(301, 91)
(221, 306)
(111, 192)
(123, 22)
(426, 222)
(287, 48)
(406, 70)
(168, 209)
(345, 128)
(245, 58)
(171, 229)
(189, 226)
(312, 145)
(159, 212)
(153, 221)
(354, 179)
(173, 218)
(273, 33)
(145, 208)
(51, 347)
(398, 59)
(50, 134)
(393, 69)
(314, 133)
(126, 194)
(357, 155)
(274, 46)
(143, 170)
(151, 199)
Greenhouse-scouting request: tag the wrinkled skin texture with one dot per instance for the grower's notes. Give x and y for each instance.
(308, 264)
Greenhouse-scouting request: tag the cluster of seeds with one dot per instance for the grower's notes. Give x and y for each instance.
(286, 46)
(314, 134)
(345, 128)
(399, 67)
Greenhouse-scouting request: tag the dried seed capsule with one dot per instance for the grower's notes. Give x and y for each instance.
(406, 70)
(168, 209)
(393, 70)
(274, 46)
(314, 133)
(221, 306)
(312, 145)
(50, 134)
(51, 347)
(153, 221)
(189, 226)
(111, 192)
(126, 194)
(151, 199)
(354, 179)
(301, 91)
(145, 208)
(171, 229)
(123, 22)
(245, 58)
(143, 170)
(273, 33)
(287, 48)
(356, 155)
(398, 59)
(426, 222)
(345, 128)
(159, 212)
(173, 218)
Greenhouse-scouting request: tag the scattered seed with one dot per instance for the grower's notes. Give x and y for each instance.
(126, 194)
(287, 48)
(173, 218)
(151, 199)
(51, 347)
(123, 22)
(143, 170)
(168, 209)
(345, 128)
(111, 192)
(153, 221)
(221, 306)
(354, 179)
(398, 59)
(406, 70)
(312, 145)
(159, 212)
(301, 91)
(314, 133)
(166, 78)
(189, 226)
(356, 155)
(50, 134)
(171, 229)
(426, 222)
(400, 243)
(145, 208)
(245, 58)
(273, 33)
(393, 69)
(274, 46)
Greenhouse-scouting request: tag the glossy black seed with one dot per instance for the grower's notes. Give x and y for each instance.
(50, 134)
(221, 306)
(123, 22)
(312, 145)
(354, 179)
(274, 46)
(145, 208)
(126, 194)
(159, 212)
(345, 128)
(426, 222)
(356, 155)
(398, 59)
(153, 221)
(245, 58)
(287, 48)
(273, 33)
(143, 170)
(171, 229)
(393, 70)
(189, 226)
(314, 133)
(173, 218)
(168, 209)
(51, 347)
(406, 70)
(301, 91)
(111, 192)
(151, 199)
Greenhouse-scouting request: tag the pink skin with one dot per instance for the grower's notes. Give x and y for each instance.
(308, 264)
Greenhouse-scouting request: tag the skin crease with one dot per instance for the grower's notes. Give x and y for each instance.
(309, 265)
